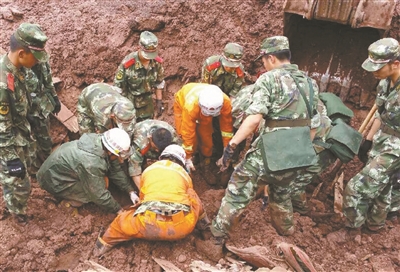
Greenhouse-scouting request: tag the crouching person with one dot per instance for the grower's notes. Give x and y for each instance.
(78, 171)
(169, 207)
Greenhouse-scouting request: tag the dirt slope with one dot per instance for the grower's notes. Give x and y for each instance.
(87, 40)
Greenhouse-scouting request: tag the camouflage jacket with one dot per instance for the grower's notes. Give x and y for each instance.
(141, 147)
(83, 164)
(277, 97)
(240, 103)
(134, 79)
(14, 104)
(214, 73)
(94, 107)
(39, 81)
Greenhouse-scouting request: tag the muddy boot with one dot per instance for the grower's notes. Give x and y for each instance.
(211, 246)
(20, 219)
(101, 247)
(203, 223)
(207, 171)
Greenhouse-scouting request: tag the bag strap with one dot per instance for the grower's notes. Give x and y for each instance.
(309, 104)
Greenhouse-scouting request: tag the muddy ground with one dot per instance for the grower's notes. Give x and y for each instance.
(88, 39)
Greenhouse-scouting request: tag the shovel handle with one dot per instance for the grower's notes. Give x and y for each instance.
(368, 118)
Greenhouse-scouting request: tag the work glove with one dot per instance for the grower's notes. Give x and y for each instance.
(159, 107)
(57, 106)
(189, 165)
(33, 121)
(16, 168)
(364, 149)
(226, 158)
(134, 197)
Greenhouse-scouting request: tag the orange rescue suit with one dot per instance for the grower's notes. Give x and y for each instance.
(190, 122)
(163, 181)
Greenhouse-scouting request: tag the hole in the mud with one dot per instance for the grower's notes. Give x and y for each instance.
(332, 54)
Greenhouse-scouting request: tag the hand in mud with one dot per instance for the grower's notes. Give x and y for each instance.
(134, 198)
(226, 158)
(189, 165)
(159, 106)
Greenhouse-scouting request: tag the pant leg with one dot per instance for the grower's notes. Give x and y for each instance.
(205, 140)
(43, 144)
(16, 190)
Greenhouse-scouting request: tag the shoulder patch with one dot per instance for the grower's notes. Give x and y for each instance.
(4, 109)
(159, 59)
(145, 150)
(213, 66)
(119, 75)
(10, 81)
(239, 72)
(129, 63)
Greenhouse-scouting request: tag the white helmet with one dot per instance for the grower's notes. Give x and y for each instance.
(117, 141)
(175, 151)
(211, 100)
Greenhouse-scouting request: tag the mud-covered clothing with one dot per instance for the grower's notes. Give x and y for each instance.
(137, 83)
(193, 126)
(213, 72)
(276, 97)
(39, 81)
(368, 195)
(169, 207)
(141, 146)
(95, 106)
(15, 134)
(76, 171)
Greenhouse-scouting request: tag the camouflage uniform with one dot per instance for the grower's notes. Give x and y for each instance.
(141, 147)
(95, 105)
(276, 97)
(368, 195)
(136, 81)
(214, 72)
(40, 85)
(14, 127)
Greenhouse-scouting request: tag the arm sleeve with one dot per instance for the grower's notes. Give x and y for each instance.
(205, 74)
(118, 177)
(135, 162)
(6, 123)
(119, 78)
(188, 129)
(237, 86)
(160, 75)
(261, 101)
(93, 184)
(225, 121)
(48, 79)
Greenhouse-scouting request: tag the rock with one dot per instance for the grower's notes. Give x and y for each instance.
(181, 258)
(382, 263)
(357, 239)
(6, 13)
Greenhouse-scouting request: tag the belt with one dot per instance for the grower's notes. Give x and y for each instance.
(388, 130)
(165, 213)
(288, 123)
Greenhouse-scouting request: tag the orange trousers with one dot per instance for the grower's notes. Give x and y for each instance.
(151, 226)
(204, 130)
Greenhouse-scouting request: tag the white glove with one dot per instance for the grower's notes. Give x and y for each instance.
(134, 197)
(189, 165)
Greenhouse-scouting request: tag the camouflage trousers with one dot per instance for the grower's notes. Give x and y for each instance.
(16, 191)
(42, 147)
(368, 195)
(283, 187)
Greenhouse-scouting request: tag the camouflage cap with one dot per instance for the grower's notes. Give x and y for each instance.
(148, 44)
(380, 53)
(273, 44)
(125, 114)
(232, 55)
(32, 36)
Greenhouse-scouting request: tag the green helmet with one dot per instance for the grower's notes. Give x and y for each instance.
(148, 44)
(232, 55)
(273, 44)
(380, 53)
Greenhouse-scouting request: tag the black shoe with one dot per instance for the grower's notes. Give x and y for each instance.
(21, 219)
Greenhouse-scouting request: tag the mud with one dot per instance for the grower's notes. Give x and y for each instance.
(87, 41)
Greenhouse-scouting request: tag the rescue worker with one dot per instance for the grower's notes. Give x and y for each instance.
(149, 140)
(27, 48)
(76, 171)
(368, 195)
(196, 104)
(225, 70)
(287, 99)
(44, 98)
(139, 74)
(169, 207)
(102, 107)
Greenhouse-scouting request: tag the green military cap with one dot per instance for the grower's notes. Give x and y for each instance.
(272, 45)
(232, 55)
(124, 111)
(380, 53)
(33, 37)
(148, 43)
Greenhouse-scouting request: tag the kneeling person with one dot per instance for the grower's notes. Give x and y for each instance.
(169, 210)
(76, 171)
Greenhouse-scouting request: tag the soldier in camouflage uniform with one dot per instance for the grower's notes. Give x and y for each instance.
(26, 49)
(39, 82)
(149, 140)
(368, 195)
(101, 107)
(139, 74)
(277, 99)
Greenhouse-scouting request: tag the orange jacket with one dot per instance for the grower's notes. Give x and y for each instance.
(165, 181)
(187, 99)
